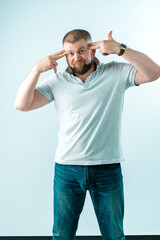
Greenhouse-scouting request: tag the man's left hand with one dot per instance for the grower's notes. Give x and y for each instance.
(106, 47)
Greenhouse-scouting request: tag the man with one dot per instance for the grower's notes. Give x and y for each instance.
(88, 98)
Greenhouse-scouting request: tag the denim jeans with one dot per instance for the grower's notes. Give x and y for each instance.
(105, 186)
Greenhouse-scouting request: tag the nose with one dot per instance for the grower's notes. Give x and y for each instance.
(77, 57)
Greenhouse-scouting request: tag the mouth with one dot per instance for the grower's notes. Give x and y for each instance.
(79, 63)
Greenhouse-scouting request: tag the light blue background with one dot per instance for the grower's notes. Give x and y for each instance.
(33, 29)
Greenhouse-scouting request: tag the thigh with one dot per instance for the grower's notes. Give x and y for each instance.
(108, 200)
(69, 200)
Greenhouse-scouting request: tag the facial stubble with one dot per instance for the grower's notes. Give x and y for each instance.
(84, 69)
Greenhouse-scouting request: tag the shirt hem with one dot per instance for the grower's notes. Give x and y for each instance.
(90, 162)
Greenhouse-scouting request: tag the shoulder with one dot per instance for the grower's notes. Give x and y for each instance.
(119, 66)
(54, 77)
(110, 66)
(60, 75)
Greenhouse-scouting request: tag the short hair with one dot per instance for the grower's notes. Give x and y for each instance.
(76, 35)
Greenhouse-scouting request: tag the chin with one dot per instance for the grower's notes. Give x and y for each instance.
(82, 70)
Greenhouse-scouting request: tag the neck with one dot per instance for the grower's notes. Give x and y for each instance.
(84, 76)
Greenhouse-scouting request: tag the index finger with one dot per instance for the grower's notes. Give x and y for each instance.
(59, 54)
(94, 45)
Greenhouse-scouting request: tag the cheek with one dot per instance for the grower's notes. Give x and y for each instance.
(89, 57)
(68, 60)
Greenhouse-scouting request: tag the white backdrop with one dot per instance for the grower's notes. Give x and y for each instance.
(33, 29)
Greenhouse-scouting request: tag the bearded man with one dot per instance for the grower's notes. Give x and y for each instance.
(88, 97)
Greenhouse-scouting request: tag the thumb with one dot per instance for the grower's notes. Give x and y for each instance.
(110, 36)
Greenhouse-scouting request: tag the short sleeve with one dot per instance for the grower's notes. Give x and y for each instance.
(128, 74)
(46, 88)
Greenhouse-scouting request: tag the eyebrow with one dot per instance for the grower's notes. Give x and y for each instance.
(77, 50)
(81, 47)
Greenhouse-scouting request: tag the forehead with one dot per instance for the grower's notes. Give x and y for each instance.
(75, 46)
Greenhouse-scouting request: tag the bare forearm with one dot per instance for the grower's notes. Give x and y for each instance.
(146, 66)
(148, 70)
(25, 93)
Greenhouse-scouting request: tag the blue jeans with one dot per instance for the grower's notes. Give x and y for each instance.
(105, 186)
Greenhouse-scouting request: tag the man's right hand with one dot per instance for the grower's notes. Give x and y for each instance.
(49, 62)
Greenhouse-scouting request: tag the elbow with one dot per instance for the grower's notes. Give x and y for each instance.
(156, 74)
(20, 108)
(16, 106)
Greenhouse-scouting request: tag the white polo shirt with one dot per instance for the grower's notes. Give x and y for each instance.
(89, 113)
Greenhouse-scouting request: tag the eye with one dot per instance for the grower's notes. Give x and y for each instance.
(81, 51)
(70, 53)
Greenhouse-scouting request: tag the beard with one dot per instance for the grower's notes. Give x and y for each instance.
(81, 70)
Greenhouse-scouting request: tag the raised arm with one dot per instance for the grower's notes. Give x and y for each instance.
(28, 98)
(147, 69)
